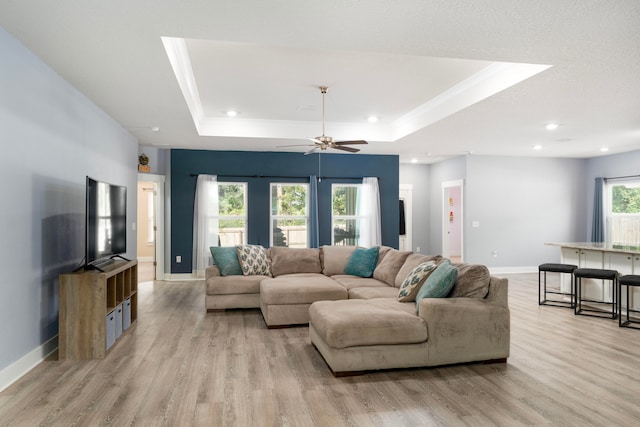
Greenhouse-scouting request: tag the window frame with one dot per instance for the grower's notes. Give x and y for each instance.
(274, 217)
(357, 218)
(613, 219)
(244, 218)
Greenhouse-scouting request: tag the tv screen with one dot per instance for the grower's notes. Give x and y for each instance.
(106, 220)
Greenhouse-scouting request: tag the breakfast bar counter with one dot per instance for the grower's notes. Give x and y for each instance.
(623, 258)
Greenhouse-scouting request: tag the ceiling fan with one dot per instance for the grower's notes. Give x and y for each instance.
(323, 142)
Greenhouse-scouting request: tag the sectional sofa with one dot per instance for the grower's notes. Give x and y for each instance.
(360, 323)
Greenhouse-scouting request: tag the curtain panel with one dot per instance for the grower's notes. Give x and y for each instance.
(598, 225)
(314, 232)
(205, 222)
(369, 212)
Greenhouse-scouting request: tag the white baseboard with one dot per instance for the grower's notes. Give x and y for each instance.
(495, 271)
(182, 277)
(13, 372)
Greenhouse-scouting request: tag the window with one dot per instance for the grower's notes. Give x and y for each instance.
(345, 221)
(290, 215)
(623, 213)
(232, 213)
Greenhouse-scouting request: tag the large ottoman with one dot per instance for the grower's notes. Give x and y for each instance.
(285, 300)
(360, 335)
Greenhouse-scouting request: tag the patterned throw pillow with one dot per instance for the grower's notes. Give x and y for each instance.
(414, 280)
(253, 260)
(362, 262)
(439, 283)
(226, 258)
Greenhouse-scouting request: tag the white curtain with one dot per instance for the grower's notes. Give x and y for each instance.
(369, 213)
(205, 222)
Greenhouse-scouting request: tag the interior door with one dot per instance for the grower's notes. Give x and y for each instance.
(452, 220)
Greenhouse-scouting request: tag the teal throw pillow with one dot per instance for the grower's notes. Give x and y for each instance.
(439, 283)
(362, 262)
(226, 258)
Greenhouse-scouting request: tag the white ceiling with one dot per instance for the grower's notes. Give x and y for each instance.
(445, 78)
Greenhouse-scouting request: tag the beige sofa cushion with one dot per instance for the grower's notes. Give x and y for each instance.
(372, 292)
(358, 322)
(300, 288)
(294, 260)
(472, 282)
(231, 285)
(382, 252)
(388, 268)
(334, 258)
(412, 262)
(350, 282)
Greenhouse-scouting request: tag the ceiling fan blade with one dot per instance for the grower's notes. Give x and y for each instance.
(359, 141)
(315, 140)
(344, 148)
(294, 145)
(313, 150)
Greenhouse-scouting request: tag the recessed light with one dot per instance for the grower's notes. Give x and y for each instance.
(232, 113)
(414, 160)
(604, 149)
(537, 147)
(155, 128)
(372, 119)
(551, 126)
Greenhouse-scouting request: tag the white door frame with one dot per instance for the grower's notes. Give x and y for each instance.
(445, 218)
(158, 183)
(406, 193)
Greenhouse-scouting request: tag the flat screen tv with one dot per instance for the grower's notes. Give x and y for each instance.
(106, 222)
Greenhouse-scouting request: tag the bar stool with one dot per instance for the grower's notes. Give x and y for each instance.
(595, 273)
(542, 287)
(628, 280)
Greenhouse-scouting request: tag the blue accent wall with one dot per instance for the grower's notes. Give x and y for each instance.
(288, 167)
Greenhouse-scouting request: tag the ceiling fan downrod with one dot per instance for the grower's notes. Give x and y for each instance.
(323, 90)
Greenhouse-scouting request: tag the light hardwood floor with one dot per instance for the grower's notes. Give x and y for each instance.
(180, 366)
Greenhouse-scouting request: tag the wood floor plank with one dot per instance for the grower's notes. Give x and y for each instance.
(179, 365)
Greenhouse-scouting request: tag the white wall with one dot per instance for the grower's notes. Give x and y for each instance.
(522, 203)
(418, 177)
(52, 138)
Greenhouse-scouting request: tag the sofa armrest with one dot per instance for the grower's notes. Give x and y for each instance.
(211, 271)
(467, 329)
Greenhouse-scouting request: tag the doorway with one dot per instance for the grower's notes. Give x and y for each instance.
(452, 220)
(406, 194)
(150, 229)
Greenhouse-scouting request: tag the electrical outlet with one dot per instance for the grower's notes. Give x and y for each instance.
(178, 259)
(418, 249)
